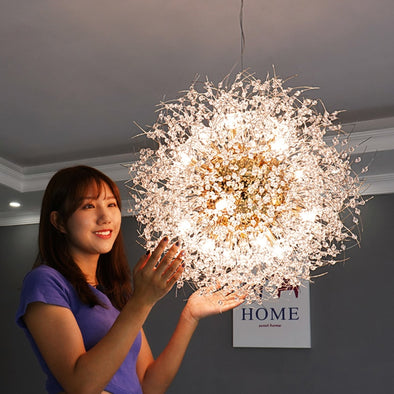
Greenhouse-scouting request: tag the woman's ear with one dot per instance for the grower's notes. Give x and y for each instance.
(57, 221)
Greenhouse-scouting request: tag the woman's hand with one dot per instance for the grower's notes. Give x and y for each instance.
(211, 302)
(154, 276)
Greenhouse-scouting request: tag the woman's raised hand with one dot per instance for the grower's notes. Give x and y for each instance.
(155, 275)
(211, 302)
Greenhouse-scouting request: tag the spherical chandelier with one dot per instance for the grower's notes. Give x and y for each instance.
(243, 177)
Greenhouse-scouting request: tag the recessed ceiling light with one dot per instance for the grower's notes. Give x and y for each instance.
(15, 204)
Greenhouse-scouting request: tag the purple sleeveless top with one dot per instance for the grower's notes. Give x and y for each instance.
(45, 284)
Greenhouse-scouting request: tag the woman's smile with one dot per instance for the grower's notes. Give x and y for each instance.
(105, 234)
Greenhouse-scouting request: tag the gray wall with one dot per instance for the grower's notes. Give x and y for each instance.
(351, 317)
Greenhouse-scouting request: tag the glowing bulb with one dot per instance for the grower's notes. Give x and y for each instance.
(204, 137)
(224, 204)
(184, 226)
(185, 158)
(279, 145)
(299, 174)
(278, 251)
(208, 246)
(231, 121)
(15, 204)
(261, 241)
(308, 216)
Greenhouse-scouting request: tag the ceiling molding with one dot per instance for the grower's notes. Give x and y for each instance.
(11, 175)
(18, 219)
(370, 141)
(378, 184)
(36, 178)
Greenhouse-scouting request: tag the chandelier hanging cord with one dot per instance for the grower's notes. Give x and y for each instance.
(241, 15)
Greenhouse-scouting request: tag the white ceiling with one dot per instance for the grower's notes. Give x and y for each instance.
(76, 74)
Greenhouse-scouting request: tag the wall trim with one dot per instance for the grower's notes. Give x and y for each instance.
(35, 178)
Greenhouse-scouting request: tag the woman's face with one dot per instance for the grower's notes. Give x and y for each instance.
(92, 229)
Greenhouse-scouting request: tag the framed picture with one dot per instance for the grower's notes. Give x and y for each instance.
(282, 322)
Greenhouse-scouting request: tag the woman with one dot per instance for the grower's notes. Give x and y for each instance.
(78, 307)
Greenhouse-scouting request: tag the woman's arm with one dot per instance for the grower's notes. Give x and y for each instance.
(60, 341)
(156, 375)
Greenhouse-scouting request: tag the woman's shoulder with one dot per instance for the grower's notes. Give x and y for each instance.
(45, 284)
(44, 274)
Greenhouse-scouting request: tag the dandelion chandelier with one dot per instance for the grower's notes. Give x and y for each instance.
(243, 177)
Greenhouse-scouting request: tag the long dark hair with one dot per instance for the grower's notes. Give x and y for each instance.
(63, 194)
